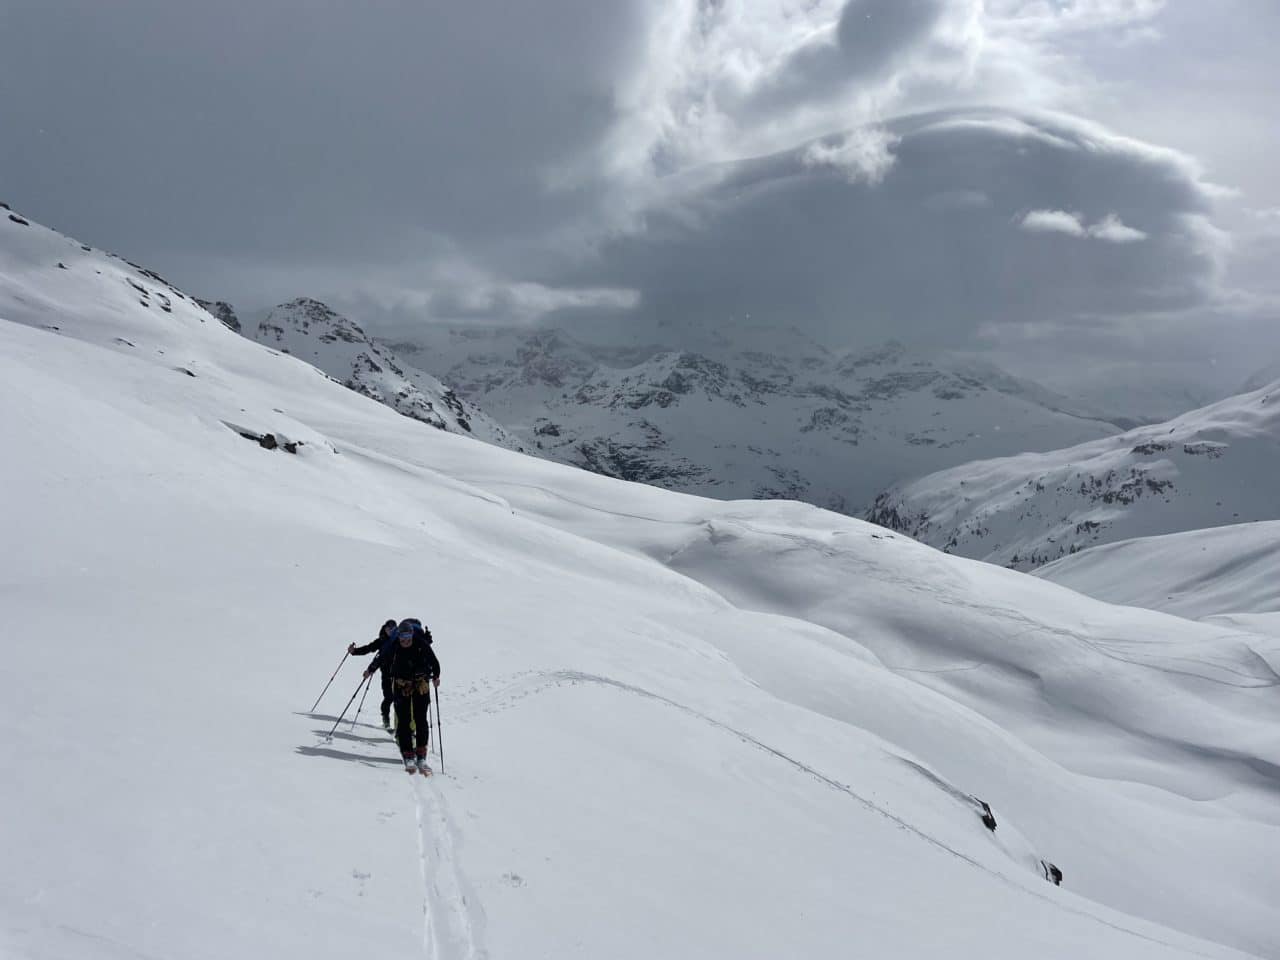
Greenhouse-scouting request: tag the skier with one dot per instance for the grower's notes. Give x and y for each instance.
(381, 646)
(413, 668)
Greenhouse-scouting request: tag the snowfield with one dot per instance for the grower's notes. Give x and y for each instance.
(673, 727)
(1196, 574)
(1211, 467)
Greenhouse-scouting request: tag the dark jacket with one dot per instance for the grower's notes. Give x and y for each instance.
(386, 637)
(413, 661)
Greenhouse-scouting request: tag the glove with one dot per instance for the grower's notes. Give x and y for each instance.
(351, 648)
(436, 681)
(367, 673)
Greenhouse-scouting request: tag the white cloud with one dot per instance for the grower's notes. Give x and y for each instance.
(1111, 229)
(723, 81)
(462, 291)
(1046, 17)
(864, 155)
(1053, 221)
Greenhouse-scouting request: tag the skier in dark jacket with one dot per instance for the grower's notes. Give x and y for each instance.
(386, 637)
(413, 668)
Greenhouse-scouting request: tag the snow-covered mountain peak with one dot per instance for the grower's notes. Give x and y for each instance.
(339, 346)
(309, 319)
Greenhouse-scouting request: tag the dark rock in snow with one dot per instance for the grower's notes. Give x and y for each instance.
(222, 311)
(988, 818)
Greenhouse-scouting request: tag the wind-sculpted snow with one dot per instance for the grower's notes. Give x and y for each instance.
(673, 726)
(1208, 468)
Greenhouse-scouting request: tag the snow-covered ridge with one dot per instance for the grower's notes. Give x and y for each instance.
(337, 345)
(766, 414)
(674, 726)
(1207, 468)
(1198, 573)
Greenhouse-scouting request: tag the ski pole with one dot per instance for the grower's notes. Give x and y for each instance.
(439, 731)
(326, 686)
(361, 707)
(345, 709)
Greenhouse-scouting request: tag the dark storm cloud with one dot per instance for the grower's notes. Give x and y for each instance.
(300, 131)
(981, 216)
(435, 160)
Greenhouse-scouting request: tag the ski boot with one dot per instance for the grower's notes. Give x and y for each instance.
(422, 762)
(409, 765)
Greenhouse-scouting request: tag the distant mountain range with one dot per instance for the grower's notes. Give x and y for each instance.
(763, 413)
(1208, 468)
(766, 413)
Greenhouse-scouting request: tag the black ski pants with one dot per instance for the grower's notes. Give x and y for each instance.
(387, 697)
(415, 707)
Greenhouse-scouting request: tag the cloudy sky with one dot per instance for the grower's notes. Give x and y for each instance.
(1080, 188)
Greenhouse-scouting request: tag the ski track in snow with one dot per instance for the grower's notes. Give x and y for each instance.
(453, 919)
(451, 898)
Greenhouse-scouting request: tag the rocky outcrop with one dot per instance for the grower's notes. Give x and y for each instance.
(222, 311)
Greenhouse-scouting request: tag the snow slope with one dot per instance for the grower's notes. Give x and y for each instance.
(673, 726)
(1208, 468)
(1199, 573)
(312, 331)
(766, 414)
